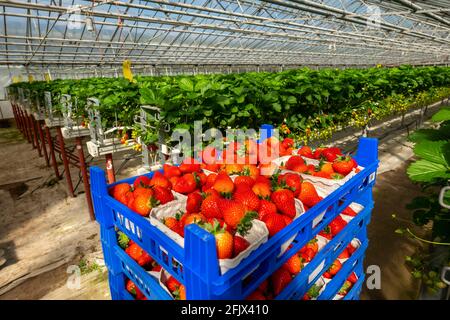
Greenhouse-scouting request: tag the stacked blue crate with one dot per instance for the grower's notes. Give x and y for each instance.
(196, 265)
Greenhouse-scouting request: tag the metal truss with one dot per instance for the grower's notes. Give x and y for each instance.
(165, 36)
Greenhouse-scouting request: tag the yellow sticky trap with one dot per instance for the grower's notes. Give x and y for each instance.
(47, 77)
(15, 79)
(127, 74)
(30, 78)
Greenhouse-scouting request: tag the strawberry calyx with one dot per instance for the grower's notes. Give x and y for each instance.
(246, 223)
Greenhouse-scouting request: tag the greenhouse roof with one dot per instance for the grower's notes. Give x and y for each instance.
(89, 34)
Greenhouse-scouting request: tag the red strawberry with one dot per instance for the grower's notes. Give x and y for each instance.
(352, 278)
(190, 165)
(256, 295)
(333, 269)
(343, 165)
(344, 254)
(337, 225)
(194, 202)
(143, 204)
(326, 233)
(142, 181)
(274, 222)
(308, 194)
(159, 180)
(163, 195)
(330, 154)
(210, 207)
(171, 171)
(266, 207)
(293, 265)
(293, 181)
(285, 201)
(288, 143)
(248, 198)
(172, 284)
(239, 244)
(318, 153)
(350, 248)
(280, 279)
(312, 293)
(224, 241)
(186, 184)
(233, 212)
(262, 190)
(294, 161)
(119, 190)
(138, 254)
(306, 152)
(345, 288)
(287, 220)
(223, 184)
(142, 191)
(244, 180)
(134, 290)
(349, 212)
(157, 268)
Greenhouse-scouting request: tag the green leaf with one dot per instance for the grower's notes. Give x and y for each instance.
(442, 115)
(291, 100)
(186, 84)
(431, 151)
(426, 171)
(276, 106)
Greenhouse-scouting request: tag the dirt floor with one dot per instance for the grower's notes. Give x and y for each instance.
(45, 233)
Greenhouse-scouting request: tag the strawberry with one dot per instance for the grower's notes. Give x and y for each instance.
(214, 167)
(134, 290)
(159, 180)
(233, 212)
(293, 265)
(142, 181)
(145, 259)
(223, 184)
(256, 295)
(322, 174)
(293, 181)
(306, 152)
(181, 293)
(172, 284)
(312, 245)
(317, 154)
(345, 288)
(287, 220)
(174, 180)
(326, 233)
(222, 224)
(327, 168)
(171, 222)
(333, 269)
(263, 286)
(308, 255)
(350, 248)
(250, 170)
(262, 190)
(263, 179)
(344, 254)
(233, 168)
(330, 154)
(143, 204)
(266, 207)
(268, 169)
(194, 202)
(343, 165)
(171, 171)
(162, 194)
(209, 181)
(190, 165)
(287, 143)
(157, 268)
(274, 222)
(355, 164)
(248, 198)
(337, 225)
(186, 184)
(210, 207)
(239, 244)
(138, 254)
(312, 293)
(193, 218)
(244, 180)
(352, 278)
(308, 194)
(284, 200)
(224, 241)
(294, 161)
(119, 190)
(142, 191)
(280, 279)
(349, 212)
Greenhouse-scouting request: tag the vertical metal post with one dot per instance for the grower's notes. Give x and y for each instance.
(27, 126)
(30, 128)
(83, 168)
(35, 135)
(44, 147)
(110, 168)
(65, 161)
(52, 152)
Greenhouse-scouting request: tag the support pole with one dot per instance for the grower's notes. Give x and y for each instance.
(35, 135)
(65, 161)
(27, 126)
(83, 168)
(30, 129)
(44, 147)
(110, 168)
(52, 152)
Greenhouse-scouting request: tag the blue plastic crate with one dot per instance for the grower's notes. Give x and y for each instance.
(200, 273)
